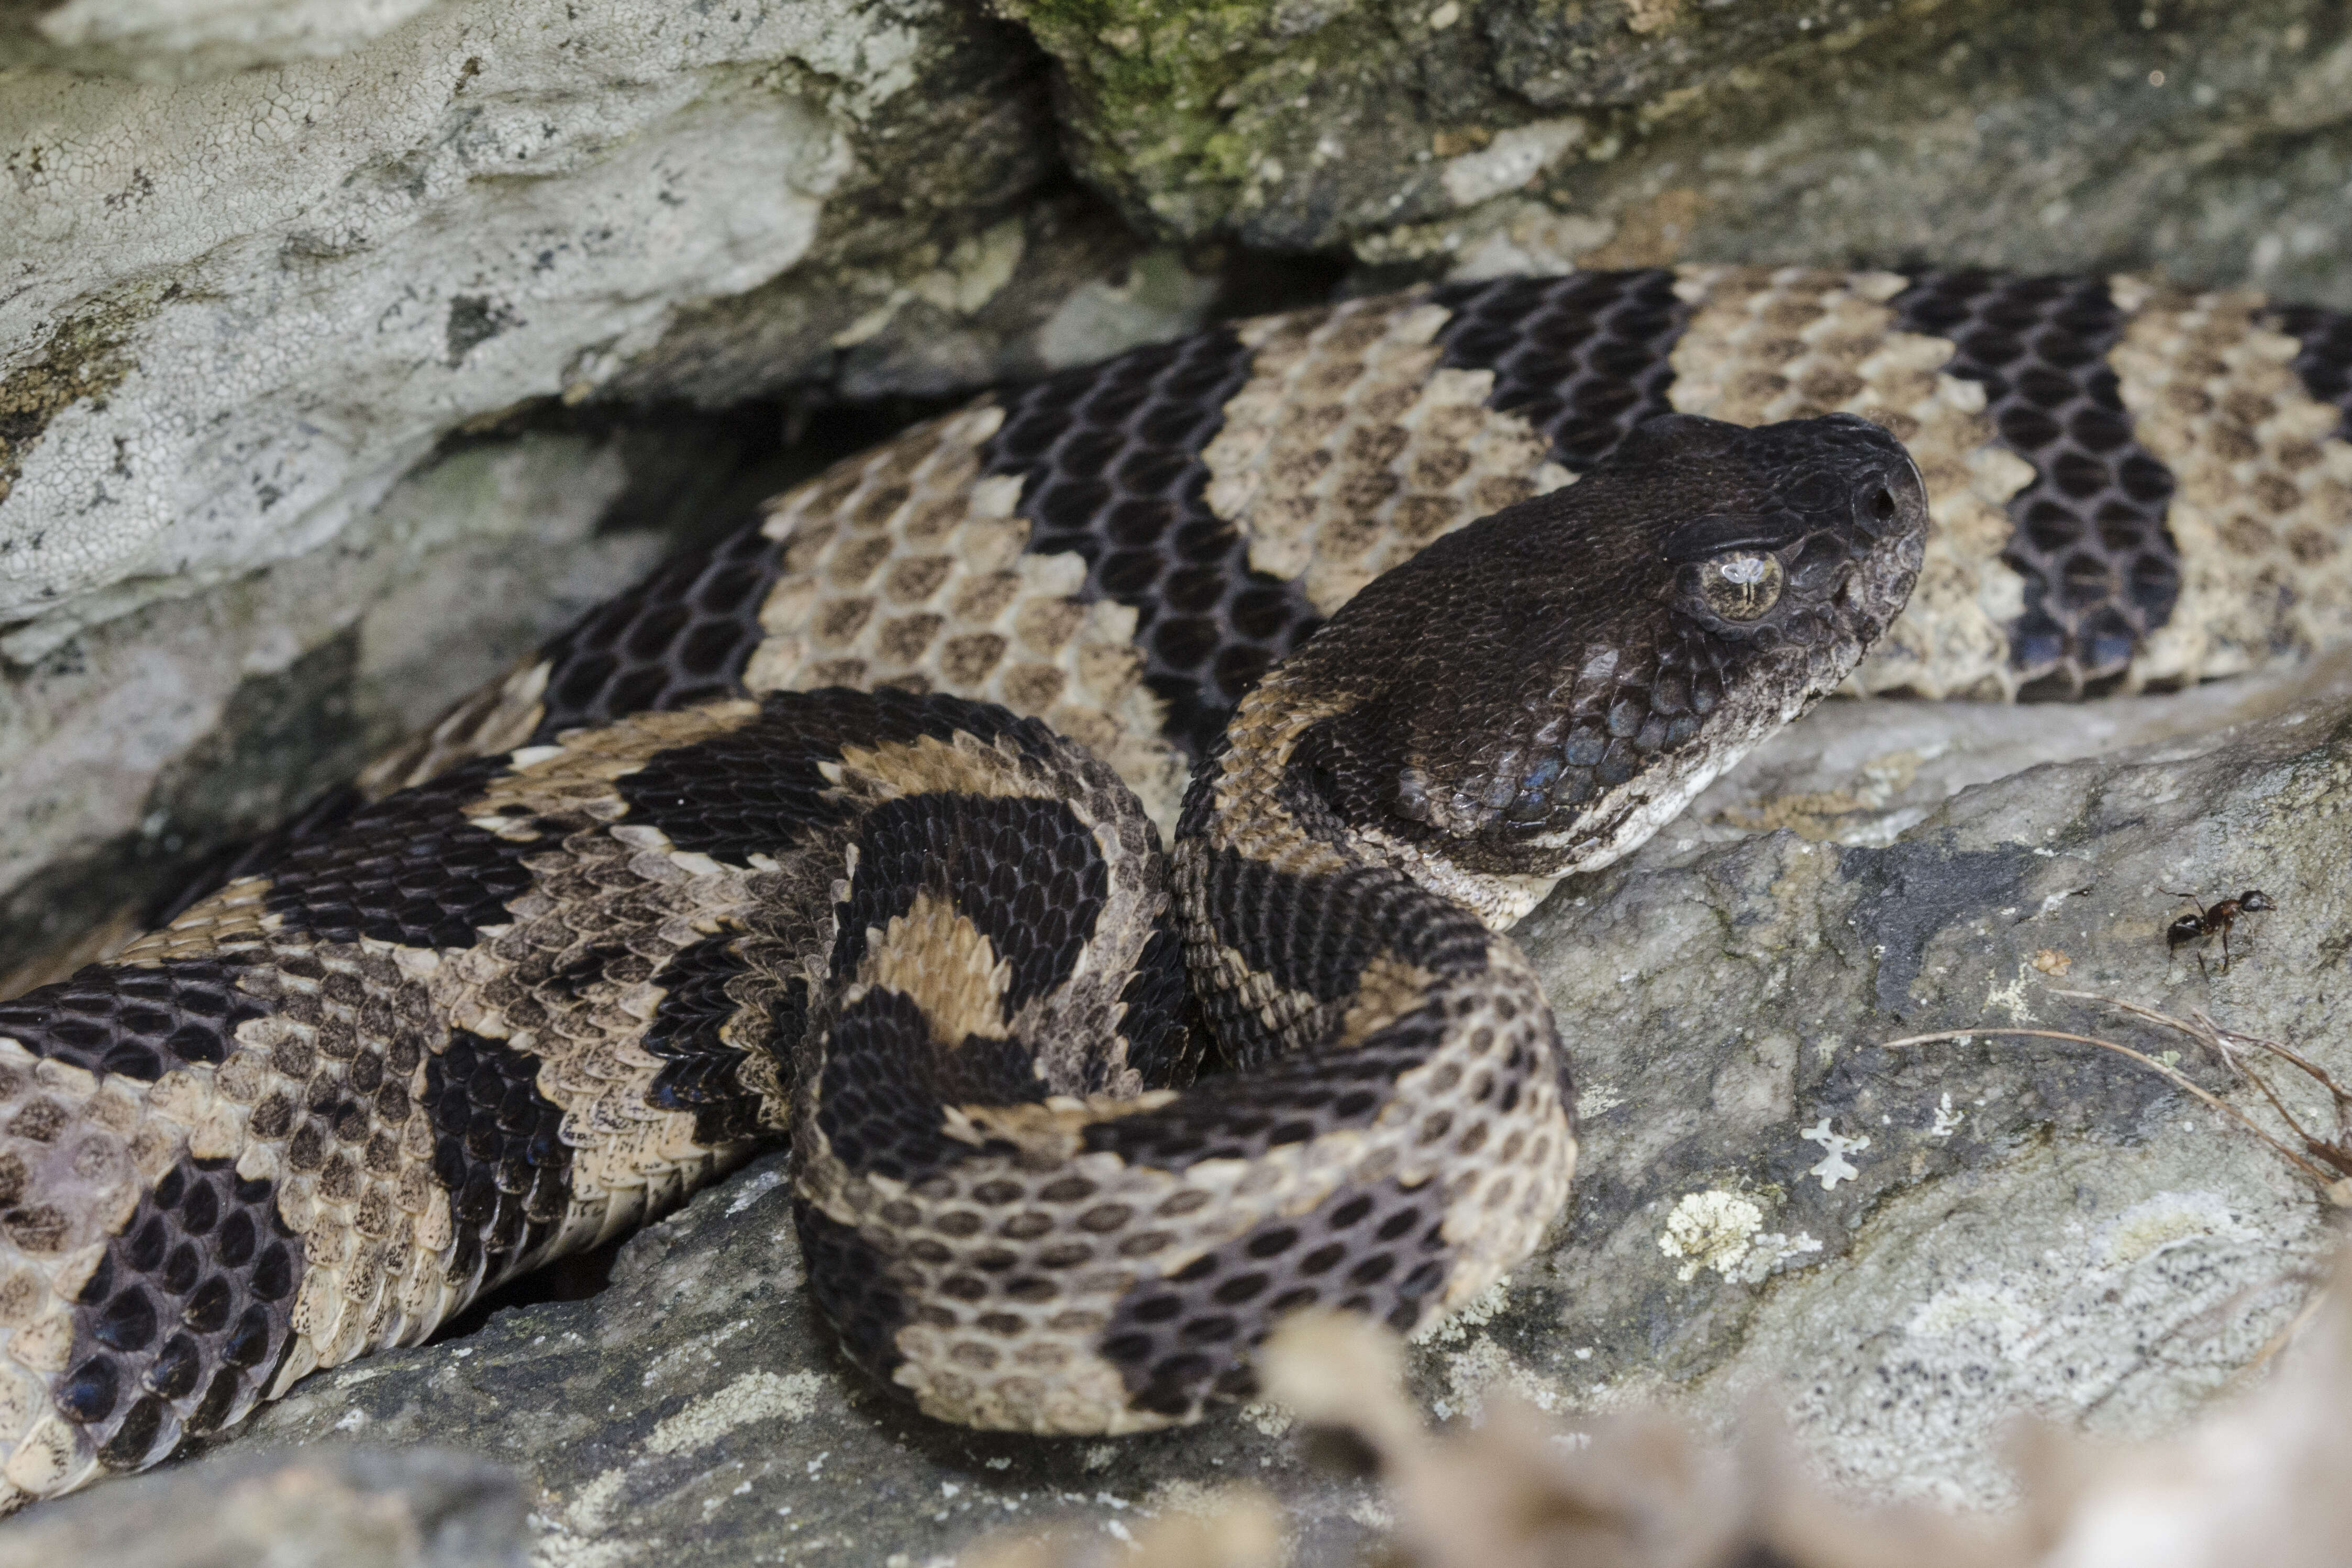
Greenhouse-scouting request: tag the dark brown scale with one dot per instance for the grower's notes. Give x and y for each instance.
(497, 1150)
(850, 1281)
(1185, 1339)
(690, 1032)
(1314, 935)
(1026, 872)
(1583, 358)
(883, 1082)
(1160, 1023)
(2218, 920)
(1109, 460)
(2325, 362)
(408, 870)
(2101, 568)
(680, 637)
(140, 1023)
(180, 1327)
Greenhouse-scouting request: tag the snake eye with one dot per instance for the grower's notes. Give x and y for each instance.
(1740, 586)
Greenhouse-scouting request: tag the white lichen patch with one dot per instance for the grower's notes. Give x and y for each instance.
(755, 1396)
(1978, 1310)
(591, 1508)
(1596, 1099)
(1485, 1367)
(2164, 1220)
(1947, 1120)
(1476, 1312)
(1834, 1166)
(2010, 996)
(1713, 1230)
(1269, 1418)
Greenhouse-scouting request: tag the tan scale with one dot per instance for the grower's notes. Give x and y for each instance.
(2261, 510)
(905, 567)
(1087, 1006)
(1349, 449)
(935, 954)
(76, 1153)
(1767, 344)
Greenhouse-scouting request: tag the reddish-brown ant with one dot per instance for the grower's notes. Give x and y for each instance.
(2208, 924)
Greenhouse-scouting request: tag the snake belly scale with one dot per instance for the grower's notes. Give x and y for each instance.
(1390, 614)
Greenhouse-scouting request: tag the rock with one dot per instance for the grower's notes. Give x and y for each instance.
(136, 747)
(350, 1506)
(1901, 1247)
(1487, 136)
(178, 40)
(245, 305)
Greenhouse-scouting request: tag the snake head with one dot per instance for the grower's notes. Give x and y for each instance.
(1537, 693)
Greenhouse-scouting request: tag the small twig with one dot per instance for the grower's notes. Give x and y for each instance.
(2220, 1041)
(2173, 1075)
(2279, 1340)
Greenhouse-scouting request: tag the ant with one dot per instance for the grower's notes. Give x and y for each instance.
(2208, 924)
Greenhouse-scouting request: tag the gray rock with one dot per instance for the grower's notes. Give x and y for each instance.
(1494, 135)
(133, 747)
(242, 306)
(1903, 1248)
(1906, 1246)
(337, 1504)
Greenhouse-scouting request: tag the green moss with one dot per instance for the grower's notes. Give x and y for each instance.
(1174, 99)
(83, 358)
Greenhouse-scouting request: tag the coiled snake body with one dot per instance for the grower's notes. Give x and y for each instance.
(673, 888)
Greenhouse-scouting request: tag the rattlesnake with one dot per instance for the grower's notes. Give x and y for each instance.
(671, 888)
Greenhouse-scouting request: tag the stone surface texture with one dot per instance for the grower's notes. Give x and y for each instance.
(1903, 1249)
(344, 1505)
(2210, 139)
(243, 306)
